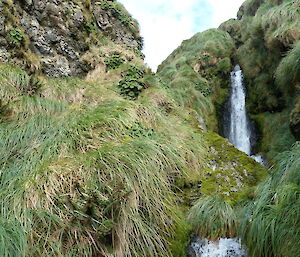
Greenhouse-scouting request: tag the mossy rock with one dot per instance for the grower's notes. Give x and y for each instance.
(230, 173)
(227, 172)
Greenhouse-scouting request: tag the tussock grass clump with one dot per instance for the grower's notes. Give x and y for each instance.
(85, 172)
(271, 223)
(212, 217)
(281, 23)
(197, 70)
(15, 83)
(288, 72)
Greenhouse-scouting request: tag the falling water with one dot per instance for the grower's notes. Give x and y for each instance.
(239, 132)
(239, 127)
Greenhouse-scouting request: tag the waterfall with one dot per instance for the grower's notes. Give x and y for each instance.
(239, 130)
(239, 125)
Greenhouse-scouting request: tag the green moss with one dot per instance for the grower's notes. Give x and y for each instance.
(232, 175)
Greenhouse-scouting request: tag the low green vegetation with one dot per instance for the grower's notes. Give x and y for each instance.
(16, 37)
(114, 61)
(212, 218)
(132, 85)
(270, 224)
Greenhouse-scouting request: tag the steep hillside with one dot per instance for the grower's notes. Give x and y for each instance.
(101, 157)
(198, 73)
(59, 37)
(264, 40)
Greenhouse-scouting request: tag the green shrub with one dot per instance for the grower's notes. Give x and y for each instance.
(130, 87)
(16, 37)
(114, 61)
(135, 72)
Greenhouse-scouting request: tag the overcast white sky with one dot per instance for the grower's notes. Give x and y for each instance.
(166, 23)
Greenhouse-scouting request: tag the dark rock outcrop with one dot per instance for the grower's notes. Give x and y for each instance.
(54, 34)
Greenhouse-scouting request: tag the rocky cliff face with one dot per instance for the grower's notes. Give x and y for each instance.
(52, 36)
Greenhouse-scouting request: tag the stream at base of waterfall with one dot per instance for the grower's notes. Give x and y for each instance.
(224, 247)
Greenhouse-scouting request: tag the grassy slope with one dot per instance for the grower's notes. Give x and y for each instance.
(198, 71)
(85, 171)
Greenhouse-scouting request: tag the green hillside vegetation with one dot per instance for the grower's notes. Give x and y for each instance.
(120, 161)
(265, 41)
(198, 71)
(270, 224)
(268, 51)
(90, 169)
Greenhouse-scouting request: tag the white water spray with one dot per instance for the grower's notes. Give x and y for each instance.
(225, 247)
(239, 132)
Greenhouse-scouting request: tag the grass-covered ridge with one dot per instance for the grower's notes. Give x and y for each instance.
(197, 74)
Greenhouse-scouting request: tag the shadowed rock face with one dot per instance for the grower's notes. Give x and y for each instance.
(58, 32)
